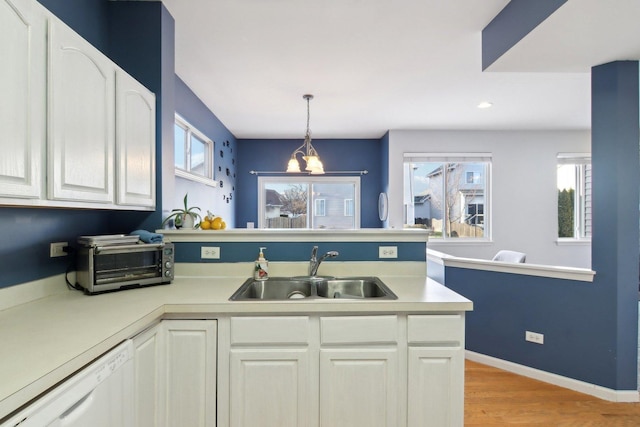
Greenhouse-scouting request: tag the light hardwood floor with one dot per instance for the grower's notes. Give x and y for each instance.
(494, 397)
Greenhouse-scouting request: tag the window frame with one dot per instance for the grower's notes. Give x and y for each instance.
(309, 180)
(581, 208)
(209, 145)
(449, 158)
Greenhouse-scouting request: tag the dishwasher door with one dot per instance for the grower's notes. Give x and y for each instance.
(100, 395)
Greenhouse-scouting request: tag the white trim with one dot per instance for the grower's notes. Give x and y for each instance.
(555, 379)
(446, 157)
(296, 235)
(557, 272)
(193, 177)
(570, 241)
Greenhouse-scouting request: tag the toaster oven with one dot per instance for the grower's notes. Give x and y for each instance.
(116, 262)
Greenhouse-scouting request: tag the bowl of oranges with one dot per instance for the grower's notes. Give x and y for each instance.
(212, 222)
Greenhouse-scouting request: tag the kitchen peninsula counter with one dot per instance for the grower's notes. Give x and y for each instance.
(46, 340)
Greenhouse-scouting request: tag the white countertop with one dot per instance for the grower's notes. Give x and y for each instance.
(46, 340)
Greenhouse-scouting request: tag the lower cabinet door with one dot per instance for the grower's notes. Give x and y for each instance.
(189, 392)
(148, 350)
(270, 387)
(436, 387)
(359, 387)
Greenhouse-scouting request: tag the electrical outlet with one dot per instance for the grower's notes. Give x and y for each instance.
(534, 337)
(387, 252)
(57, 249)
(210, 252)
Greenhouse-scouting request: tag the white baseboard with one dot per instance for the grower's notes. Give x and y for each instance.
(537, 374)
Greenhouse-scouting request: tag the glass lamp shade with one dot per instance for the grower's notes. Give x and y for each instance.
(293, 165)
(314, 165)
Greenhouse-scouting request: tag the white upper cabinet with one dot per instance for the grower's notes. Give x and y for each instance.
(81, 119)
(135, 142)
(22, 99)
(77, 131)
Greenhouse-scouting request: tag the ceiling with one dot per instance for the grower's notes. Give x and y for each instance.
(375, 65)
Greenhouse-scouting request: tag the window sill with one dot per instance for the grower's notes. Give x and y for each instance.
(197, 178)
(459, 241)
(573, 242)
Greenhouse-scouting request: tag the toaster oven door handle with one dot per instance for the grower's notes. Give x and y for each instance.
(128, 248)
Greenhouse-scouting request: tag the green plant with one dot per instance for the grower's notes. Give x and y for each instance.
(179, 214)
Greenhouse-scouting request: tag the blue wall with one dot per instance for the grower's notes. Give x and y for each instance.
(86, 17)
(510, 26)
(299, 251)
(573, 316)
(336, 155)
(615, 124)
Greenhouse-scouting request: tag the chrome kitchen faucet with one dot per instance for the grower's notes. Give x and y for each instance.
(314, 262)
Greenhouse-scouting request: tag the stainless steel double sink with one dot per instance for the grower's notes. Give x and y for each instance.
(291, 288)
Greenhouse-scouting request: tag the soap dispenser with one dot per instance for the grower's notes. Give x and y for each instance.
(261, 270)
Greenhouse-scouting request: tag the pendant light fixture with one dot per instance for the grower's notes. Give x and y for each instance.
(309, 154)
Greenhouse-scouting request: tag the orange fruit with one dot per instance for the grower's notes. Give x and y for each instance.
(217, 223)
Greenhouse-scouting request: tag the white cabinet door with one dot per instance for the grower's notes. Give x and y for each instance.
(22, 98)
(271, 378)
(359, 387)
(189, 392)
(135, 142)
(436, 387)
(270, 387)
(148, 352)
(81, 119)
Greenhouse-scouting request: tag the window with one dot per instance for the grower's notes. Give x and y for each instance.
(473, 177)
(348, 207)
(321, 207)
(574, 196)
(448, 194)
(193, 153)
(308, 202)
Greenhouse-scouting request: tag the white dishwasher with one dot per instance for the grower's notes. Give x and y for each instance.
(100, 395)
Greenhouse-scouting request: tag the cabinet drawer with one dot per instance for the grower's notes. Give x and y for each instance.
(359, 330)
(437, 328)
(270, 330)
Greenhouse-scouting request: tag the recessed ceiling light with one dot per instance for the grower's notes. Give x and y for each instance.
(485, 104)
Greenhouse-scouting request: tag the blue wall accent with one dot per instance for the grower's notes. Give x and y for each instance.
(616, 173)
(86, 17)
(336, 155)
(514, 22)
(572, 315)
(299, 251)
(26, 234)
